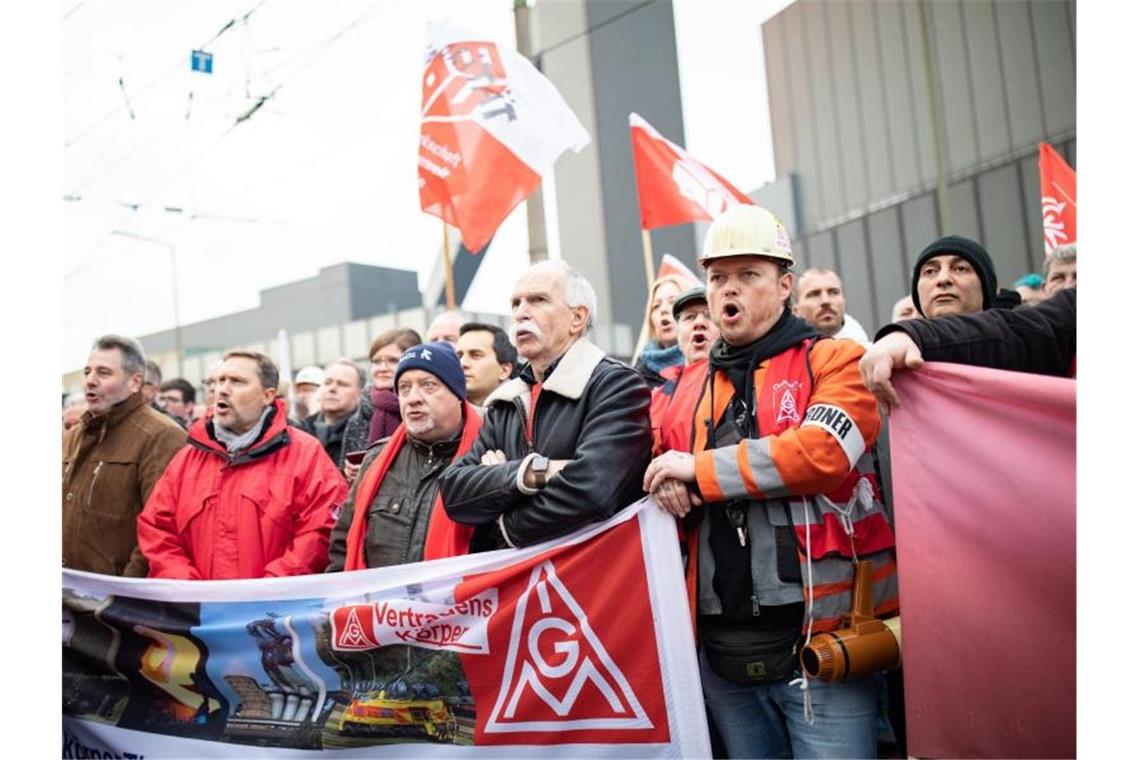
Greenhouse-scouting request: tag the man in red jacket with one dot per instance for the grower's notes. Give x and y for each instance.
(671, 405)
(250, 497)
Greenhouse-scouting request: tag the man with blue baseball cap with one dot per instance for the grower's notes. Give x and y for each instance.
(394, 513)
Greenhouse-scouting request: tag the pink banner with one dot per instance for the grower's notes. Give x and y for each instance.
(984, 479)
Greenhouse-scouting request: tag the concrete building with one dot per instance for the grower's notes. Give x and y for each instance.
(330, 315)
(871, 102)
(339, 293)
(626, 61)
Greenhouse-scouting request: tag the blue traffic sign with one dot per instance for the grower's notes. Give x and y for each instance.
(202, 61)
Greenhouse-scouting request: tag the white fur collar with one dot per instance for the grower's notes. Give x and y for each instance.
(568, 379)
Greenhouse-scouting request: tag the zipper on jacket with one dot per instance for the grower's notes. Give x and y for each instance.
(94, 477)
(520, 405)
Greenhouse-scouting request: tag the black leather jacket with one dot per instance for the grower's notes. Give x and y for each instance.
(592, 410)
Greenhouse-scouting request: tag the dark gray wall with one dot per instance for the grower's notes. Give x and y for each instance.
(339, 293)
(851, 120)
(850, 108)
(634, 63)
(875, 253)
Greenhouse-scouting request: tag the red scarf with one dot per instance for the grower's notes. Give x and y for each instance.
(445, 538)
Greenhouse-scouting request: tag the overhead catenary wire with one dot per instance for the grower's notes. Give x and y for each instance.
(110, 166)
(149, 85)
(318, 49)
(536, 58)
(184, 212)
(166, 128)
(306, 59)
(123, 88)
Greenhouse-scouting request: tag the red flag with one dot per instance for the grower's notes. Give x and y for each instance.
(674, 187)
(670, 264)
(491, 125)
(987, 562)
(1058, 198)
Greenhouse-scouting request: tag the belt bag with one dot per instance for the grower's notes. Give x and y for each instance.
(746, 656)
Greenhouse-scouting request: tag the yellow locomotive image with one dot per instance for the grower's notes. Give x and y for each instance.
(398, 713)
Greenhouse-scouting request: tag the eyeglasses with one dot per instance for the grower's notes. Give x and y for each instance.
(385, 361)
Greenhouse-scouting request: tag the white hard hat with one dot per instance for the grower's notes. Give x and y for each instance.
(747, 230)
(312, 375)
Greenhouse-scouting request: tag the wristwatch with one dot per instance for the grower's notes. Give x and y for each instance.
(539, 467)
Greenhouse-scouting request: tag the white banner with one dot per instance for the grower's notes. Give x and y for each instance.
(578, 647)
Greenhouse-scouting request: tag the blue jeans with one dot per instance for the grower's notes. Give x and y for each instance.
(767, 720)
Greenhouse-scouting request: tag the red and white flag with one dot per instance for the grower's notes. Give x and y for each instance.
(1058, 198)
(491, 125)
(671, 265)
(674, 187)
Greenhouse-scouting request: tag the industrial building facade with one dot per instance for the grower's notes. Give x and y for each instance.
(867, 99)
(608, 58)
(871, 102)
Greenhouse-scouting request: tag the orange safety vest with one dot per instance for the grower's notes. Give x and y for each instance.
(784, 389)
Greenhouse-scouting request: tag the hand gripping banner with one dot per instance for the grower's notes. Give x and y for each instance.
(983, 464)
(577, 647)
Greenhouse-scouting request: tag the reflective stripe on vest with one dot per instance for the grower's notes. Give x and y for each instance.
(784, 387)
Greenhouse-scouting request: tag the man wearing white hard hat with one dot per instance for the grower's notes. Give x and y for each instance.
(306, 387)
(780, 465)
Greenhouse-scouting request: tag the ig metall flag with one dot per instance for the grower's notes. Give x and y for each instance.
(491, 126)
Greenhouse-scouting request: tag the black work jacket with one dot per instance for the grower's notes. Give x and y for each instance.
(398, 516)
(592, 410)
(1041, 339)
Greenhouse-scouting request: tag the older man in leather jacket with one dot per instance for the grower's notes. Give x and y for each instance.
(565, 443)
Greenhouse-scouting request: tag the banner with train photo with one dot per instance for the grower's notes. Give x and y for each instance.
(579, 647)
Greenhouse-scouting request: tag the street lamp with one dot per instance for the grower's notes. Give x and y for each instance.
(173, 286)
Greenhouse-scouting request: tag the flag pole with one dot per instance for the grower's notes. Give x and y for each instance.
(447, 269)
(647, 251)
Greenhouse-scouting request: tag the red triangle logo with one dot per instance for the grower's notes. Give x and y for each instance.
(558, 675)
(348, 632)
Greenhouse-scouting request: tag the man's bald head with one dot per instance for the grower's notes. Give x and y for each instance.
(446, 326)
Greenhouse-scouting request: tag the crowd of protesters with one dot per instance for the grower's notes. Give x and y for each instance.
(752, 409)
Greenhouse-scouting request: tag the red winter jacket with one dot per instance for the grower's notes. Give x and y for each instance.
(672, 406)
(266, 511)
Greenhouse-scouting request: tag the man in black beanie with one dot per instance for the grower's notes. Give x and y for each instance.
(953, 275)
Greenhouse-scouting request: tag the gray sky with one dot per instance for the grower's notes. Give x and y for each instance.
(325, 170)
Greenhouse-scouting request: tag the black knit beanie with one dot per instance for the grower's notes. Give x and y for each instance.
(971, 251)
(439, 359)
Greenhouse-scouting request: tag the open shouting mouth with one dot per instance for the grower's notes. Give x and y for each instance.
(731, 314)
